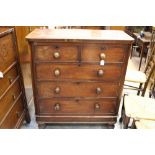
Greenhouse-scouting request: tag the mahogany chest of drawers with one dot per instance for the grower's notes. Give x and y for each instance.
(78, 75)
(13, 105)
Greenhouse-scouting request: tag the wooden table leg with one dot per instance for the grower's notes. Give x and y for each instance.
(141, 56)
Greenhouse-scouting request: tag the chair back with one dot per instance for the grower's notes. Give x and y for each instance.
(150, 65)
(149, 75)
(151, 51)
(152, 43)
(152, 88)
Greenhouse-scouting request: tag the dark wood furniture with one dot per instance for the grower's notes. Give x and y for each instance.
(143, 44)
(78, 75)
(13, 105)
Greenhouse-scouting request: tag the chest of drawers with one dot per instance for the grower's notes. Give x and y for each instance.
(78, 75)
(13, 105)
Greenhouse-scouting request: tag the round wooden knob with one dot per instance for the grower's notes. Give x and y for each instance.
(10, 79)
(102, 56)
(57, 107)
(56, 55)
(97, 106)
(57, 90)
(18, 114)
(98, 90)
(14, 96)
(57, 72)
(100, 72)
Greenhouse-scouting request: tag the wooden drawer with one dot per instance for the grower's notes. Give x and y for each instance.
(77, 89)
(95, 53)
(13, 117)
(84, 72)
(8, 79)
(81, 107)
(9, 98)
(56, 53)
(7, 54)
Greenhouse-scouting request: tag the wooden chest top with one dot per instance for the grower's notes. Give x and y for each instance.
(79, 34)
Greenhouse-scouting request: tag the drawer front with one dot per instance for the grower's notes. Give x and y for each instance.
(56, 53)
(7, 53)
(9, 98)
(95, 53)
(77, 89)
(81, 107)
(14, 116)
(8, 79)
(84, 72)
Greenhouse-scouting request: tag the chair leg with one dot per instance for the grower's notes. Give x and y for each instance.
(122, 114)
(122, 111)
(144, 89)
(131, 53)
(140, 87)
(126, 121)
(133, 126)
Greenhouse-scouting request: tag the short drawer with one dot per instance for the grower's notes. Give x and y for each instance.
(8, 79)
(77, 89)
(7, 53)
(14, 116)
(9, 98)
(81, 107)
(95, 53)
(56, 53)
(108, 72)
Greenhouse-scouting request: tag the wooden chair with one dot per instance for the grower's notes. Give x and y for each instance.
(151, 82)
(140, 77)
(137, 108)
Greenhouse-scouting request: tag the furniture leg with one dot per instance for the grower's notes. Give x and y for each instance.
(41, 125)
(126, 120)
(27, 117)
(141, 56)
(140, 87)
(122, 111)
(131, 52)
(110, 126)
(133, 126)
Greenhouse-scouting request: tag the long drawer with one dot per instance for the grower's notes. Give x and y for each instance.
(56, 53)
(13, 117)
(7, 53)
(9, 98)
(8, 79)
(77, 89)
(84, 72)
(80, 107)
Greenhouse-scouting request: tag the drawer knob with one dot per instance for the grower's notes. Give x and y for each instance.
(100, 72)
(98, 90)
(57, 90)
(56, 55)
(57, 107)
(57, 72)
(14, 96)
(18, 114)
(97, 106)
(102, 56)
(10, 79)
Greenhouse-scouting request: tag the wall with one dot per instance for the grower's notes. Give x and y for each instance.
(21, 32)
(118, 28)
